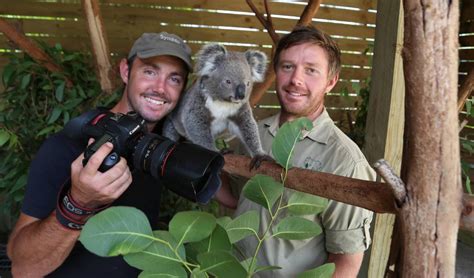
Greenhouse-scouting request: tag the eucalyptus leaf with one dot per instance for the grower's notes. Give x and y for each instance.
(198, 273)
(191, 226)
(25, 81)
(266, 267)
(59, 93)
(294, 227)
(159, 256)
(263, 190)
(224, 220)
(244, 225)
(218, 240)
(221, 264)
(117, 231)
(4, 136)
(301, 203)
(8, 71)
(286, 138)
(54, 115)
(326, 270)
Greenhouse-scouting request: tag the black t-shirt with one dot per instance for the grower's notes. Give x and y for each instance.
(49, 171)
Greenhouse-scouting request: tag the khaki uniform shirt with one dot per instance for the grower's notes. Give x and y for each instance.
(345, 227)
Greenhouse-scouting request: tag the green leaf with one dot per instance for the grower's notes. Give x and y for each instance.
(293, 227)
(219, 240)
(54, 115)
(117, 231)
(286, 138)
(60, 91)
(20, 183)
(325, 270)
(304, 204)
(158, 256)
(221, 264)
(198, 273)
(224, 220)
(468, 185)
(4, 136)
(191, 226)
(8, 71)
(263, 190)
(244, 225)
(25, 81)
(468, 107)
(45, 130)
(168, 273)
(246, 264)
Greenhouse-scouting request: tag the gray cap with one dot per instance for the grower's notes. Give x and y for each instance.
(156, 44)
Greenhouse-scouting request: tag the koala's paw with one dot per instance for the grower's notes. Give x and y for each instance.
(226, 150)
(258, 159)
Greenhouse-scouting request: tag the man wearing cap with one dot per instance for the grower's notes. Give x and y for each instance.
(41, 244)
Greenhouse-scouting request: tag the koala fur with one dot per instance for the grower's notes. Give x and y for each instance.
(219, 99)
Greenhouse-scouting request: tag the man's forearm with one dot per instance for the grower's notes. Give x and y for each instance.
(347, 265)
(39, 247)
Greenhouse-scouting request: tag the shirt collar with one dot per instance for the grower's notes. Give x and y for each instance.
(320, 132)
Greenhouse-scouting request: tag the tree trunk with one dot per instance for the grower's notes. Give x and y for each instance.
(431, 170)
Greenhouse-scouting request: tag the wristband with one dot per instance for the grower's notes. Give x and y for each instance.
(69, 213)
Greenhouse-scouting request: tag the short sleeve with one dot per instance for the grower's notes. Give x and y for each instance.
(347, 227)
(49, 170)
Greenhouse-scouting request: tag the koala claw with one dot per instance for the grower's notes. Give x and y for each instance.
(258, 159)
(225, 151)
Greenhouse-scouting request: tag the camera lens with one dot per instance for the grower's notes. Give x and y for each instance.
(187, 169)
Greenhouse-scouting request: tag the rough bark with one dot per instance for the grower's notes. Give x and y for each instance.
(100, 45)
(430, 169)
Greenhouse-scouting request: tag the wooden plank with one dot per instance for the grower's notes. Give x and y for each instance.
(467, 54)
(466, 40)
(467, 12)
(133, 14)
(121, 46)
(236, 5)
(466, 27)
(465, 66)
(385, 119)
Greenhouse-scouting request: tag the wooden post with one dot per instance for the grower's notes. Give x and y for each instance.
(385, 119)
(99, 44)
(429, 219)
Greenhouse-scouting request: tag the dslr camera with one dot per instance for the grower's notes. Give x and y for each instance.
(187, 169)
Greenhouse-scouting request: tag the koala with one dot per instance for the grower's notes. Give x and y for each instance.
(219, 100)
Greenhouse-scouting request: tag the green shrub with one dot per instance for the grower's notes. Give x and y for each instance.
(36, 103)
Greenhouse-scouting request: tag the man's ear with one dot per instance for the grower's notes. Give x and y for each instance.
(332, 82)
(124, 70)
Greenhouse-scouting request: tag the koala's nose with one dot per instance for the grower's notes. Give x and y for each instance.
(240, 91)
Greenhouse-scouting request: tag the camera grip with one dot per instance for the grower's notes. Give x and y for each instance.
(109, 161)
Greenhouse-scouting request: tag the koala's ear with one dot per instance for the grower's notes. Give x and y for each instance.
(258, 64)
(208, 58)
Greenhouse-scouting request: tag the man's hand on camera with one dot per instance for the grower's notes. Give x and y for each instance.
(92, 188)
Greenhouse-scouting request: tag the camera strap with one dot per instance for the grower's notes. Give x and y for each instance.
(69, 213)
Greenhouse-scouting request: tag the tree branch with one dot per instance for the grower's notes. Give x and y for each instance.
(396, 184)
(466, 89)
(99, 44)
(374, 196)
(266, 23)
(28, 46)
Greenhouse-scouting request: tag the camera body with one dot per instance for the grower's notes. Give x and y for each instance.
(122, 130)
(188, 169)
